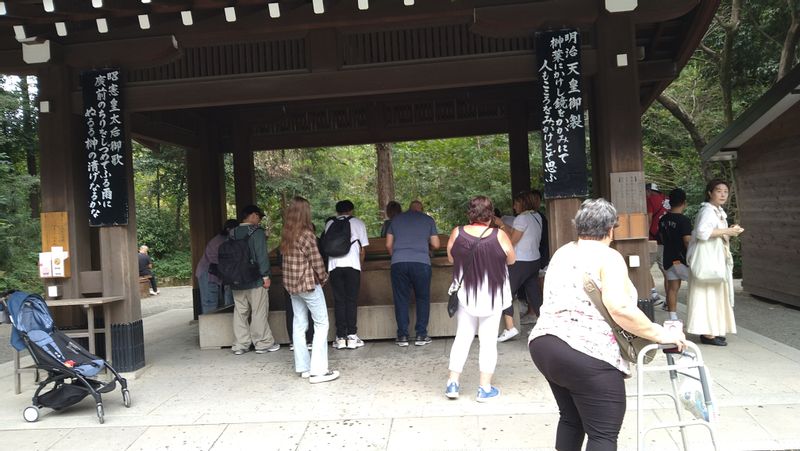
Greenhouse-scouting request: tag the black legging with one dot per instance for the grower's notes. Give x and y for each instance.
(525, 274)
(590, 394)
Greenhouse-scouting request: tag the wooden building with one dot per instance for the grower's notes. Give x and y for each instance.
(238, 76)
(765, 144)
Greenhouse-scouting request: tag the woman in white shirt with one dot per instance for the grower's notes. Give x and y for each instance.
(525, 234)
(710, 304)
(574, 347)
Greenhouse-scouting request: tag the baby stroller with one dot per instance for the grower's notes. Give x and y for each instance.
(70, 368)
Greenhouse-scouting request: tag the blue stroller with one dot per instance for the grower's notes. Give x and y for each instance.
(70, 368)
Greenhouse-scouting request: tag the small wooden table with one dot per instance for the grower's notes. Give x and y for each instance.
(89, 304)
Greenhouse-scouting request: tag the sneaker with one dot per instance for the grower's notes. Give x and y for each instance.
(422, 341)
(654, 296)
(329, 376)
(339, 343)
(354, 342)
(402, 341)
(153, 293)
(239, 351)
(305, 374)
(291, 346)
(452, 390)
(508, 334)
(272, 348)
(484, 396)
(308, 346)
(527, 320)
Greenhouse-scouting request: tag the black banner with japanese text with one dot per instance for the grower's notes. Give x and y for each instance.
(105, 147)
(560, 96)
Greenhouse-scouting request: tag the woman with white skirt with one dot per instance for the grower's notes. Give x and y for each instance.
(711, 300)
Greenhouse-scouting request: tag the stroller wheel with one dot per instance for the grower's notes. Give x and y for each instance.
(31, 414)
(126, 397)
(100, 415)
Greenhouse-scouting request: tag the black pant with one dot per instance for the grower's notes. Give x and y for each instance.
(345, 283)
(290, 319)
(525, 274)
(590, 394)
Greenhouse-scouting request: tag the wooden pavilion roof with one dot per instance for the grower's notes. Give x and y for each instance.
(301, 72)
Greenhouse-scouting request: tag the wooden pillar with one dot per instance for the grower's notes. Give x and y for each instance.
(519, 157)
(63, 170)
(205, 170)
(616, 119)
(560, 213)
(243, 170)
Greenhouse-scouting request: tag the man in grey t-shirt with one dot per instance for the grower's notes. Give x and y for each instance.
(409, 239)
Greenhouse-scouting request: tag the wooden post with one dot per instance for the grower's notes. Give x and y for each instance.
(206, 195)
(616, 118)
(243, 170)
(519, 157)
(63, 170)
(560, 213)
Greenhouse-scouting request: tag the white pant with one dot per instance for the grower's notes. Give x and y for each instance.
(468, 326)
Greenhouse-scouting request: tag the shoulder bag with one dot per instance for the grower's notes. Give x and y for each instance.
(629, 344)
(707, 261)
(452, 300)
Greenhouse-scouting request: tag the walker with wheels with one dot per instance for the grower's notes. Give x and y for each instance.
(689, 365)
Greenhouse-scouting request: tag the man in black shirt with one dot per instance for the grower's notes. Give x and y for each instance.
(675, 231)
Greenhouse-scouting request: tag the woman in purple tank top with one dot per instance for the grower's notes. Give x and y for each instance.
(480, 255)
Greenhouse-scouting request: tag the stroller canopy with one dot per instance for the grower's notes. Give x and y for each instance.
(28, 312)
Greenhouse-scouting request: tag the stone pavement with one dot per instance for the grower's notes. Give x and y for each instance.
(387, 398)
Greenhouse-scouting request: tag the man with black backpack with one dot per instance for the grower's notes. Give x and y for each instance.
(343, 243)
(244, 264)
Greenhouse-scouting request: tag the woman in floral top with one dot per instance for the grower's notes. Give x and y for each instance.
(303, 277)
(574, 347)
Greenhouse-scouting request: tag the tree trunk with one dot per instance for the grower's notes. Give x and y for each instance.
(731, 28)
(29, 138)
(385, 173)
(683, 117)
(792, 37)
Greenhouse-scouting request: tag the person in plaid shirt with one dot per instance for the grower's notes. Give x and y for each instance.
(303, 276)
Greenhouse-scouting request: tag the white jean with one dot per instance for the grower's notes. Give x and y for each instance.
(486, 329)
(303, 303)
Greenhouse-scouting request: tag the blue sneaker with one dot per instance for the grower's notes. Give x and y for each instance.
(484, 396)
(452, 390)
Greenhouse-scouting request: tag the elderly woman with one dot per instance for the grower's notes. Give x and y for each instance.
(574, 347)
(526, 235)
(710, 303)
(480, 255)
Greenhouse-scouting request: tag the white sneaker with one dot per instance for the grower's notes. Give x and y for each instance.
(305, 374)
(508, 334)
(354, 342)
(329, 376)
(339, 343)
(153, 293)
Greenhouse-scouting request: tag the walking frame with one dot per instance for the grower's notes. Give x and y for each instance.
(692, 359)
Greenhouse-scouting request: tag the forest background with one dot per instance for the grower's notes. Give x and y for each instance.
(749, 46)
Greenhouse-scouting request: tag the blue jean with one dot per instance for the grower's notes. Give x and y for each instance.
(209, 295)
(312, 302)
(405, 276)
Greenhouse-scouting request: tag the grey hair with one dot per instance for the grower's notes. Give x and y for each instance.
(595, 218)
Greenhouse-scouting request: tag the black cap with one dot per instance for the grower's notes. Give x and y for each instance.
(250, 209)
(344, 206)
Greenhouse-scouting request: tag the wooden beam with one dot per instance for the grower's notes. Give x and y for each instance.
(652, 11)
(144, 128)
(525, 18)
(125, 53)
(255, 89)
(650, 71)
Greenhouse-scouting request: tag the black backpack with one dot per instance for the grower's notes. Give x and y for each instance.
(236, 267)
(335, 242)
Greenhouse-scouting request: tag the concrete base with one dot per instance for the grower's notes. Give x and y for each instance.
(375, 322)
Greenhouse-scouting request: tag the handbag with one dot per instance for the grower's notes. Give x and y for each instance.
(707, 262)
(629, 344)
(452, 300)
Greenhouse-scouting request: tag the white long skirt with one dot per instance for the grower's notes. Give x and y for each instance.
(710, 308)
